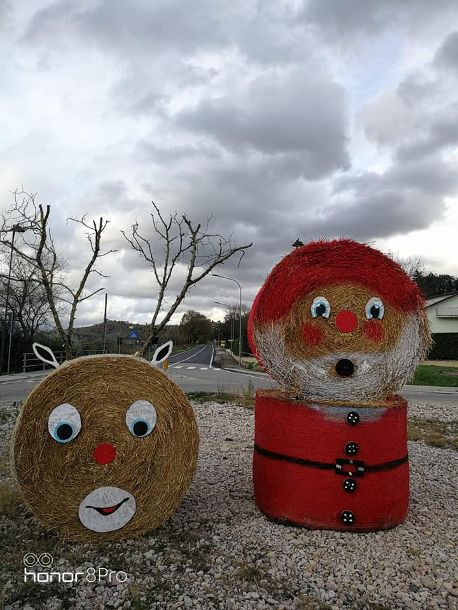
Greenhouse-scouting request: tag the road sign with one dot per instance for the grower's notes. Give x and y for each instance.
(133, 334)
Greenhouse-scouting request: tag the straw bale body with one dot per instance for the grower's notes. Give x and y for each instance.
(341, 328)
(104, 448)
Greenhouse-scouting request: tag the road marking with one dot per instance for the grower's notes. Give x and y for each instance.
(176, 366)
(192, 355)
(190, 367)
(203, 368)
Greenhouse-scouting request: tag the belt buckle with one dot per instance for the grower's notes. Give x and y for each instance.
(355, 467)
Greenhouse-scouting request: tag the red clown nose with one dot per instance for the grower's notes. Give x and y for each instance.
(104, 453)
(346, 321)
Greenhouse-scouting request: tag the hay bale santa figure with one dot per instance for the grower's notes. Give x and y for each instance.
(341, 327)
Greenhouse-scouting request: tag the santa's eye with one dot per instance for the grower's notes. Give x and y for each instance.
(374, 309)
(141, 418)
(320, 308)
(64, 423)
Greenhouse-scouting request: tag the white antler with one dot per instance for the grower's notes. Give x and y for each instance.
(53, 362)
(162, 353)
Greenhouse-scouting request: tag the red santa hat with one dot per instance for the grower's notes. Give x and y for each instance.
(325, 263)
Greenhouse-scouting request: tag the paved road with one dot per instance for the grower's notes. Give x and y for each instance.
(192, 372)
(201, 354)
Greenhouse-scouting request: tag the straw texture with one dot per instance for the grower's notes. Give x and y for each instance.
(149, 475)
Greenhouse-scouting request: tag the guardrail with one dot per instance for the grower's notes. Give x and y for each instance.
(31, 363)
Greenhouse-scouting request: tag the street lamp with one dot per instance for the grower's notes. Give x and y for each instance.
(232, 319)
(14, 229)
(224, 277)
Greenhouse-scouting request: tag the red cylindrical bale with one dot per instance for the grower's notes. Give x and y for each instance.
(331, 467)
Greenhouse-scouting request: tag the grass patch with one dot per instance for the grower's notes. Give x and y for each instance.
(433, 432)
(427, 374)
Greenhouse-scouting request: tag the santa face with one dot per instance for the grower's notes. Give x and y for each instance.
(342, 342)
(105, 453)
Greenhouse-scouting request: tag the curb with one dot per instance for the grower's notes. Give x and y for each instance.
(436, 389)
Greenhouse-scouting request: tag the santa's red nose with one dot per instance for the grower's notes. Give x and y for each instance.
(104, 453)
(346, 321)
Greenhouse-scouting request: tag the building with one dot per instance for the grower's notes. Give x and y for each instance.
(442, 315)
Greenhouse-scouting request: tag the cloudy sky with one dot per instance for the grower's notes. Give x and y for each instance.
(282, 118)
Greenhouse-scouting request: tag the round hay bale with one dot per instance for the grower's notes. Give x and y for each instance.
(338, 320)
(104, 448)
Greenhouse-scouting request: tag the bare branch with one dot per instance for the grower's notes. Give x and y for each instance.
(182, 243)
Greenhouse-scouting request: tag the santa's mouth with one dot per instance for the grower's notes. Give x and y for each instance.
(345, 368)
(108, 510)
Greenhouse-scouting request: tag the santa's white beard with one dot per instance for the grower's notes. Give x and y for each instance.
(376, 374)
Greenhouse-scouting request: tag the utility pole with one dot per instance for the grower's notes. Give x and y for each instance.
(105, 324)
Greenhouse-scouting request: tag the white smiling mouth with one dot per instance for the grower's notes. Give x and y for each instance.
(106, 509)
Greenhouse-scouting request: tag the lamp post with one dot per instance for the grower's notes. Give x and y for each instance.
(14, 229)
(232, 319)
(231, 279)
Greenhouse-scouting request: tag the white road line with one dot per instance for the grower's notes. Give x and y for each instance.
(190, 367)
(176, 366)
(203, 368)
(192, 355)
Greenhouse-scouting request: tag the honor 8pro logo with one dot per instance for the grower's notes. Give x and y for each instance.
(38, 569)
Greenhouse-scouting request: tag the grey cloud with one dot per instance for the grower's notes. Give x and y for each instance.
(352, 19)
(287, 113)
(5, 11)
(169, 26)
(447, 55)
(402, 199)
(441, 133)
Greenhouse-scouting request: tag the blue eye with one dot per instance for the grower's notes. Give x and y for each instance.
(64, 423)
(141, 418)
(63, 432)
(320, 308)
(139, 427)
(374, 309)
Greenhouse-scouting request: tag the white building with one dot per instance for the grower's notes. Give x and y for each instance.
(442, 313)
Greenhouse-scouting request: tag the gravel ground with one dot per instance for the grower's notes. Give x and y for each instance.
(220, 552)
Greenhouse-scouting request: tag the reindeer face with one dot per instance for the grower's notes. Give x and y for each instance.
(106, 446)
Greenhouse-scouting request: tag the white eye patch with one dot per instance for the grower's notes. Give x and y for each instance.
(64, 423)
(141, 418)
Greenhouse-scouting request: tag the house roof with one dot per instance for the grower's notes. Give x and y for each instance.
(443, 297)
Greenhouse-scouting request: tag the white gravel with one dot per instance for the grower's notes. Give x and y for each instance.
(220, 552)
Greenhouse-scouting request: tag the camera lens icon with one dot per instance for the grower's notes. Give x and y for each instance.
(30, 560)
(45, 560)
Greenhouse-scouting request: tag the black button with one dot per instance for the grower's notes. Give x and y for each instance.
(347, 517)
(349, 485)
(351, 448)
(352, 418)
(345, 368)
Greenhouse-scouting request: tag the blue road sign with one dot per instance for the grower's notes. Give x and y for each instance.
(133, 334)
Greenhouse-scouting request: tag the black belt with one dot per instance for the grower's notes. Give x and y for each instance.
(346, 467)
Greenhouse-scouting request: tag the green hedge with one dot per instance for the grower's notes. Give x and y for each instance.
(445, 347)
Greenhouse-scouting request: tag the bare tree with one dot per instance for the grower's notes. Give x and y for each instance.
(37, 247)
(27, 298)
(178, 241)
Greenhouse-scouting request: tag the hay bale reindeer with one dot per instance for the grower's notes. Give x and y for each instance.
(105, 447)
(340, 327)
